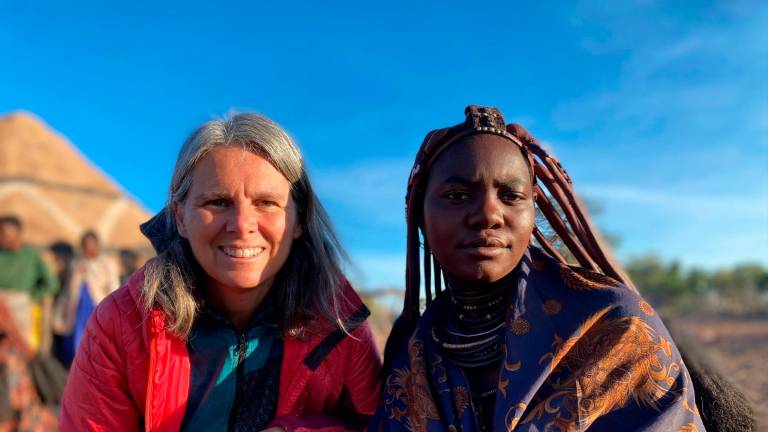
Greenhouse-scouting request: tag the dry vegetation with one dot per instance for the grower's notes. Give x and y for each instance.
(739, 348)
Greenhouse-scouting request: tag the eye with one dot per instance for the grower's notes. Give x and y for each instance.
(217, 202)
(457, 195)
(266, 204)
(511, 197)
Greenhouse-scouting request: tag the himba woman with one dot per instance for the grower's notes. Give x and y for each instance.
(519, 339)
(244, 320)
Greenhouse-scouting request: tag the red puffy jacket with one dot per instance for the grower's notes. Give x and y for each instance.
(131, 374)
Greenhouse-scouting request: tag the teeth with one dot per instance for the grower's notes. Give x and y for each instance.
(242, 253)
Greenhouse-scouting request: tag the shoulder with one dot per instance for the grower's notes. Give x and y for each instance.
(109, 262)
(27, 250)
(557, 284)
(122, 310)
(578, 306)
(318, 341)
(351, 302)
(117, 337)
(624, 300)
(351, 311)
(77, 265)
(28, 253)
(595, 309)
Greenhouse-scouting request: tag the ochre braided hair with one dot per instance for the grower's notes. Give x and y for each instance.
(554, 197)
(722, 406)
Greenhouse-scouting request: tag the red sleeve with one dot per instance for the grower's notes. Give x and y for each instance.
(311, 423)
(363, 377)
(96, 397)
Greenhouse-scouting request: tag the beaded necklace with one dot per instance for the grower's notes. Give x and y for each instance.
(472, 328)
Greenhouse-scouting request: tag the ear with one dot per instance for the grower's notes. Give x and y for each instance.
(178, 215)
(297, 231)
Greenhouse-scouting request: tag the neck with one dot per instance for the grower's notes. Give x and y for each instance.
(475, 300)
(468, 288)
(237, 304)
(471, 328)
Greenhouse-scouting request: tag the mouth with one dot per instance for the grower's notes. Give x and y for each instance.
(241, 252)
(484, 242)
(484, 248)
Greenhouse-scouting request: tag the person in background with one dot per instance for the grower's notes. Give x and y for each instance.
(520, 338)
(92, 277)
(63, 254)
(25, 280)
(129, 263)
(244, 321)
(21, 405)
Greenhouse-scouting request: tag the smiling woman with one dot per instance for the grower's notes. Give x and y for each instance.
(244, 320)
(240, 221)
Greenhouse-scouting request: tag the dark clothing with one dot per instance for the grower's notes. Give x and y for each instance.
(235, 377)
(581, 351)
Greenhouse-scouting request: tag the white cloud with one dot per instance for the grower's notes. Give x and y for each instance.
(696, 75)
(714, 205)
(706, 230)
(682, 130)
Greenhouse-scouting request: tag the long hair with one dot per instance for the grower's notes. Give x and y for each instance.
(310, 283)
(564, 217)
(563, 231)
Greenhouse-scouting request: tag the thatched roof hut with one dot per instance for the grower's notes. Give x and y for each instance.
(58, 193)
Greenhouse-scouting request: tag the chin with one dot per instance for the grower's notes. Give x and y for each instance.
(244, 282)
(473, 274)
(489, 273)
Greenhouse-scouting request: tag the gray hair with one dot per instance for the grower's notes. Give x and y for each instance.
(309, 284)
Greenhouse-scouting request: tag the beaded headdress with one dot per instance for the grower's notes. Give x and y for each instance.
(563, 229)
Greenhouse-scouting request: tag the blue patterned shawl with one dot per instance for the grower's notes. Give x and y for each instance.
(581, 352)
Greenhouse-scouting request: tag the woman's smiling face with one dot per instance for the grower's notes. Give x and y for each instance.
(478, 208)
(239, 218)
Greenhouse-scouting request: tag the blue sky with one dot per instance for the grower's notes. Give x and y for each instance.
(659, 110)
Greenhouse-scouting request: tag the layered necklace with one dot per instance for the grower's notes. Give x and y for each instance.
(472, 330)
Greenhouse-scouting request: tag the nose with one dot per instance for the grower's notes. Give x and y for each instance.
(242, 219)
(487, 213)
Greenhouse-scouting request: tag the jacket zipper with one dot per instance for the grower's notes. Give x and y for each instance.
(239, 378)
(150, 384)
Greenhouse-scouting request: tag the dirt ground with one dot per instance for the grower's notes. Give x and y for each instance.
(739, 347)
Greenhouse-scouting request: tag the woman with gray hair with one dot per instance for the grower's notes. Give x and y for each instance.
(244, 320)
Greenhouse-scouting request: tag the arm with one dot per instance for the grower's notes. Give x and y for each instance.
(96, 397)
(46, 339)
(47, 282)
(360, 393)
(363, 377)
(47, 286)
